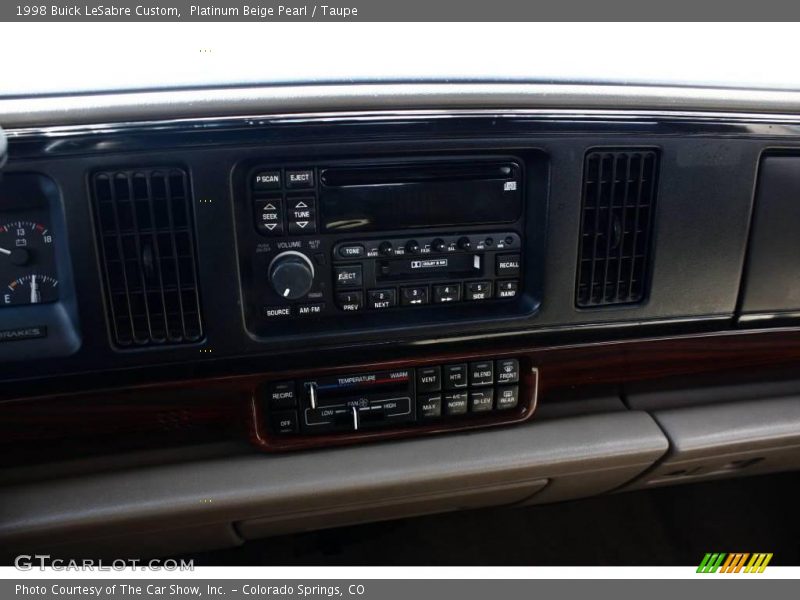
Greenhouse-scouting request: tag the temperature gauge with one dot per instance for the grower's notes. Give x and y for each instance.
(27, 264)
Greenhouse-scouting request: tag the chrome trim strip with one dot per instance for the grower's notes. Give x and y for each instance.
(562, 100)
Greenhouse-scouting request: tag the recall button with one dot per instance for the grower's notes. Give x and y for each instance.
(508, 265)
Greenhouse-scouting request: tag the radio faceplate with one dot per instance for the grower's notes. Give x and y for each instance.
(310, 262)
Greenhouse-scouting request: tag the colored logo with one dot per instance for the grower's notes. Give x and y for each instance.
(734, 562)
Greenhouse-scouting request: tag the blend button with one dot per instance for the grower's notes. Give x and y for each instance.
(481, 373)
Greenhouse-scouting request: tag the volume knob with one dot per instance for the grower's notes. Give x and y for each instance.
(291, 275)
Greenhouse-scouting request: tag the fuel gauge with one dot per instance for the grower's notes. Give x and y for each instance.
(31, 289)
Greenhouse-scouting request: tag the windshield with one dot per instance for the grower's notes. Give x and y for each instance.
(125, 56)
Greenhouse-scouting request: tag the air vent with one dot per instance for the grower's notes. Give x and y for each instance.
(145, 234)
(619, 192)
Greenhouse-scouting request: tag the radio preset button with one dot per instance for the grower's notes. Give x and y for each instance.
(348, 277)
(507, 370)
(429, 406)
(429, 379)
(350, 301)
(507, 289)
(478, 290)
(302, 178)
(481, 373)
(302, 215)
(481, 400)
(282, 395)
(380, 299)
(412, 296)
(449, 292)
(508, 265)
(507, 397)
(455, 376)
(267, 180)
(269, 216)
(455, 403)
(351, 251)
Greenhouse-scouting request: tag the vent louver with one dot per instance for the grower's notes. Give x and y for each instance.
(145, 235)
(619, 189)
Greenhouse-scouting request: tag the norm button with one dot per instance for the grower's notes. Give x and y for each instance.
(481, 373)
(303, 178)
(429, 379)
(347, 277)
(507, 371)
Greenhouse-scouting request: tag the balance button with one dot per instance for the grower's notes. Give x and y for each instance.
(507, 289)
(284, 422)
(302, 215)
(414, 295)
(481, 400)
(455, 376)
(269, 217)
(449, 292)
(508, 265)
(507, 397)
(351, 251)
(347, 277)
(429, 379)
(380, 299)
(507, 370)
(282, 395)
(429, 406)
(310, 310)
(303, 178)
(455, 403)
(350, 301)
(478, 290)
(481, 373)
(267, 180)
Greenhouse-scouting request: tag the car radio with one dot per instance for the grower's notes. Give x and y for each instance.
(341, 239)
